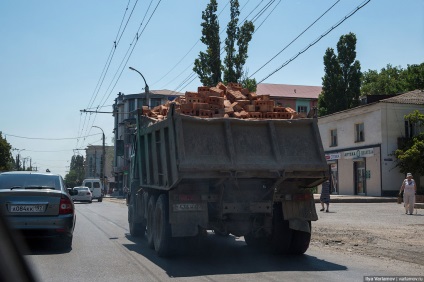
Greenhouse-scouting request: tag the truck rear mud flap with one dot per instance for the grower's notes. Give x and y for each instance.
(299, 213)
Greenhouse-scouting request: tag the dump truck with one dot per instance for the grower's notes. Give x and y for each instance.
(246, 177)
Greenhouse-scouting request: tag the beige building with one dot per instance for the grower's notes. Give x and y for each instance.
(359, 144)
(93, 157)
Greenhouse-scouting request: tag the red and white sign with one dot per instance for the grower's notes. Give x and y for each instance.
(330, 157)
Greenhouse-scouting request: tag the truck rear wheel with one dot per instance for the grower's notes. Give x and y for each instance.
(150, 221)
(300, 241)
(282, 235)
(162, 228)
(137, 229)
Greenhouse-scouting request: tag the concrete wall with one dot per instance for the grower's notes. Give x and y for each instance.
(393, 126)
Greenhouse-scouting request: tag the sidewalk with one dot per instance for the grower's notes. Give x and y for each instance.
(357, 199)
(333, 199)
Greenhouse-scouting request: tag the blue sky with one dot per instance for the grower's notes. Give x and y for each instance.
(53, 54)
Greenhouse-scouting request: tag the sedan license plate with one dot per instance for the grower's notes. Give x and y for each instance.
(27, 208)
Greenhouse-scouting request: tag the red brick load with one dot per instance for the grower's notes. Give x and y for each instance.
(231, 101)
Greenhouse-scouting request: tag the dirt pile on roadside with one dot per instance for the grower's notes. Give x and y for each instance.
(404, 243)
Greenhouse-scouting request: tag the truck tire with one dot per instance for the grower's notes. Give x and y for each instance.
(137, 229)
(150, 221)
(282, 235)
(162, 228)
(300, 242)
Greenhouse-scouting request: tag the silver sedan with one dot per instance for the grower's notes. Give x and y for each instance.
(38, 205)
(83, 194)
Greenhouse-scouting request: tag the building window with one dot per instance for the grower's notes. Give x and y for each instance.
(154, 102)
(409, 129)
(359, 132)
(333, 138)
(131, 107)
(302, 109)
(139, 103)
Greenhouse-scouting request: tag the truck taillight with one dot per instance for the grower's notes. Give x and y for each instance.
(302, 197)
(65, 206)
(188, 198)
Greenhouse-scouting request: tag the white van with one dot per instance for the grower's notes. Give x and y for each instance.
(96, 187)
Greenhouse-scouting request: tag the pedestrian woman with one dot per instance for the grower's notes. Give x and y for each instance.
(409, 189)
(325, 195)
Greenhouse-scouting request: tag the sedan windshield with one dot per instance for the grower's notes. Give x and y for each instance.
(82, 189)
(29, 181)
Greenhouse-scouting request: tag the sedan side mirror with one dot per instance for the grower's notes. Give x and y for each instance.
(72, 192)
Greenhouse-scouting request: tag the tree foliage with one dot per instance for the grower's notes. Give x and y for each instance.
(249, 83)
(342, 78)
(393, 80)
(410, 156)
(6, 159)
(76, 172)
(208, 66)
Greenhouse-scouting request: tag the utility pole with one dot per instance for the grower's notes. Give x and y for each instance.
(102, 160)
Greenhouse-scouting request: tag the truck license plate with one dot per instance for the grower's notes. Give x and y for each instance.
(27, 208)
(187, 207)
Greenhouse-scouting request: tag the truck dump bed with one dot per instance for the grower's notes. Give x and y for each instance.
(181, 147)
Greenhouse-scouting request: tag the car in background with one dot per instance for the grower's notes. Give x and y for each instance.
(82, 194)
(96, 187)
(38, 205)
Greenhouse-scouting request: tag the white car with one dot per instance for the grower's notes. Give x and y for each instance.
(84, 194)
(96, 187)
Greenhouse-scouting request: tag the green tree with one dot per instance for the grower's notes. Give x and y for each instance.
(208, 65)
(6, 159)
(249, 83)
(76, 172)
(414, 77)
(393, 80)
(342, 79)
(410, 155)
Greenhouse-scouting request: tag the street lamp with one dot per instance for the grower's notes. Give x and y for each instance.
(18, 155)
(102, 174)
(146, 87)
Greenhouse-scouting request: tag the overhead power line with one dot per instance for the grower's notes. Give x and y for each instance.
(317, 40)
(50, 139)
(297, 37)
(107, 64)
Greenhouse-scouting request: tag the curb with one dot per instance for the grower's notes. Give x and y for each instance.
(357, 199)
(333, 199)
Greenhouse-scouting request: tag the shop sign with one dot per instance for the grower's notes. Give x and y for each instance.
(330, 157)
(362, 153)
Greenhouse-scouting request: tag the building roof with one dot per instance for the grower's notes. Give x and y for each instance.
(154, 93)
(415, 97)
(412, 97)
(289, 91)
(166, 92)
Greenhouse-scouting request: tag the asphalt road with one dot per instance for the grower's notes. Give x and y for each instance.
(104, 251)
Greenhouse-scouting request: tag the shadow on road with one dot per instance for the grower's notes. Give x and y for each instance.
(43, 247)
(216, 255)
